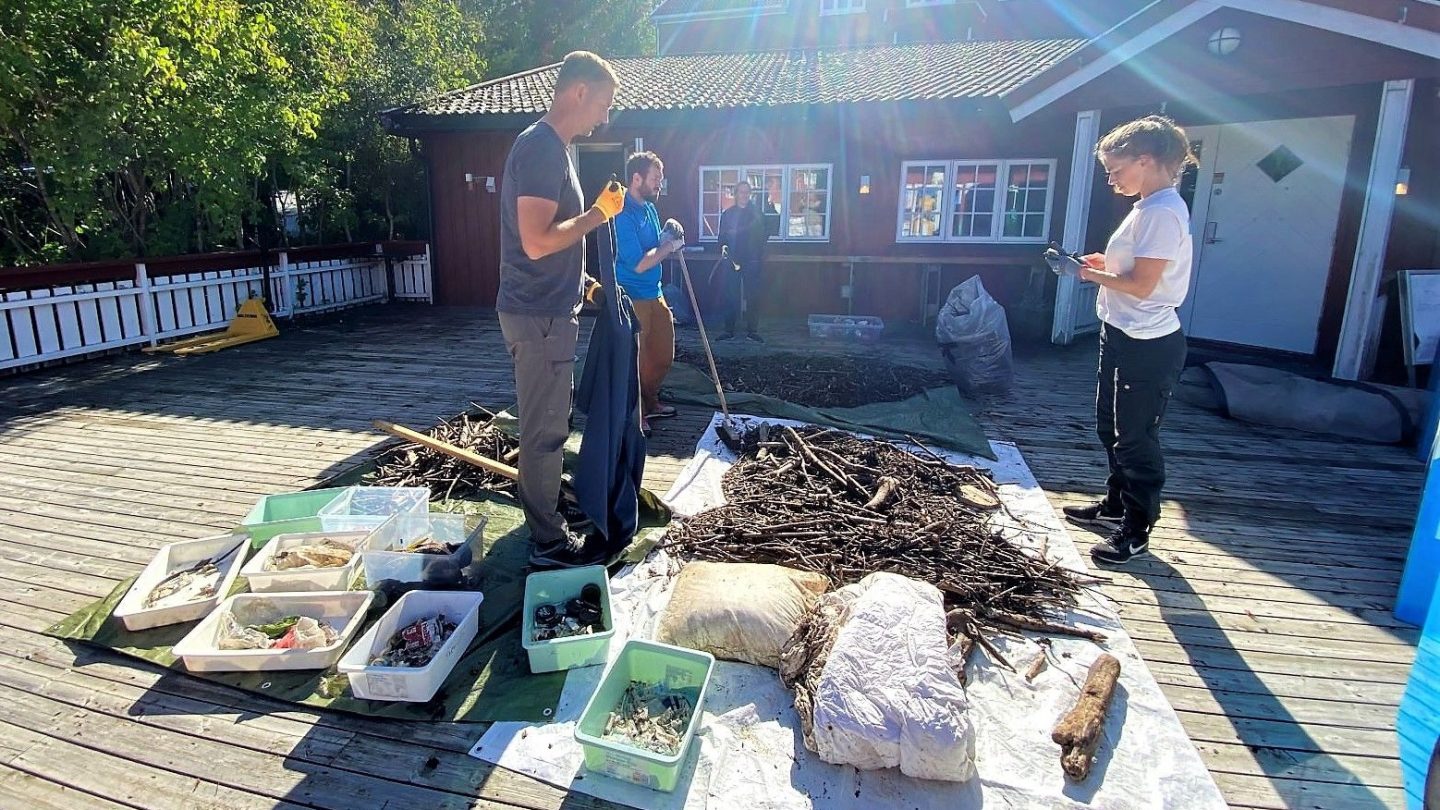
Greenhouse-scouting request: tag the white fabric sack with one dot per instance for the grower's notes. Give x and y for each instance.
(887, 696)
(738, 611)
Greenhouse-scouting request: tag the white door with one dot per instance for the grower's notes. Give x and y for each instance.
(1266, 206)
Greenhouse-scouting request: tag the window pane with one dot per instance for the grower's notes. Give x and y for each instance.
(766, 189)
(809, 201)
(1025, 200)
(973, 200)
(921, 196)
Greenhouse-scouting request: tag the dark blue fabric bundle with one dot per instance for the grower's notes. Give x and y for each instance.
(612, 450)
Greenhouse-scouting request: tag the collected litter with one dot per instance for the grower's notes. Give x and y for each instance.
(326, 552)
(823, 500)
(651, 717)
(414, 465)
(417, 643)
(198, 581)
(581, 616)
(289, 633)
(429, 545)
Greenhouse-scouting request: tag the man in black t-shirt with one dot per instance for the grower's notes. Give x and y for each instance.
(742, 235)
(543, 224)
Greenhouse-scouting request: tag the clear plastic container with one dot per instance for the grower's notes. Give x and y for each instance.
(861, 328)
(652, 663)
(336, 578)
(412, 684)
(369, 507)
(344, 610)
(176, 557)
(549, 587)
(383, 560)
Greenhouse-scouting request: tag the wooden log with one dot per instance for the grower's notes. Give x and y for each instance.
(1078, 732)
(882, 492)
(486, 464)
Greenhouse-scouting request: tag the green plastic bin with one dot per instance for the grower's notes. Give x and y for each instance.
(654, 663)
(548, 587)
(286, 513)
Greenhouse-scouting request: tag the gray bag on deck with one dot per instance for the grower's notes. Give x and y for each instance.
(974, 337)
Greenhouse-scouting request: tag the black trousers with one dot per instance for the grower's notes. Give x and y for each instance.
(1137, 379)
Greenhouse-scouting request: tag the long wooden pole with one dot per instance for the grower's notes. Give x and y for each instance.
(487, 464)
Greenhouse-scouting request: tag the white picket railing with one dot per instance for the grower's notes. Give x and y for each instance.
(52, 322)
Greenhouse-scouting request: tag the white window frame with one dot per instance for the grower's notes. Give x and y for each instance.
(997, 219)
(926, 3)
(839, 8)
(786, 170)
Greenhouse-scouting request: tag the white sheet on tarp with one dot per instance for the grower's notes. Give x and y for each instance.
(887, 695)
(750, 753)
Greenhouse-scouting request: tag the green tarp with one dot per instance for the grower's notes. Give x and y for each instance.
(939, 415)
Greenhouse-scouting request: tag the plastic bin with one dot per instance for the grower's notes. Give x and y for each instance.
(381, 562)
(369, 507)
(344, 610)
(412, 684)
(654, 663)
(174, 557)
(548, 587)
(861, 328)
(287, 512)
(309, 579)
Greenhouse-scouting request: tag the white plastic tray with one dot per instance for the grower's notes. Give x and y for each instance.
(173, 557)
(344, 610)
(412, 684)
(433, 569)
(305, 579)
(369, 507)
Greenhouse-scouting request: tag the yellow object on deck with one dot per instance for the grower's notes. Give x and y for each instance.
(252, 322)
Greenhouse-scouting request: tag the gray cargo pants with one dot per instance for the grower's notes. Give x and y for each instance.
(543, 349)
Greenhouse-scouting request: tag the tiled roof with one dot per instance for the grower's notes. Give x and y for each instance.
(919, 72)
(671, 8)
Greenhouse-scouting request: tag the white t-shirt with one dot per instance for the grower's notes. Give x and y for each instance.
(1158, 227)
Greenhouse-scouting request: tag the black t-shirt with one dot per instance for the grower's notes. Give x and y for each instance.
(539, 166)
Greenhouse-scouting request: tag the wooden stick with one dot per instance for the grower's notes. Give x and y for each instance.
(1078, 732)
(1019, 622)
(882, 492)
(486, 464)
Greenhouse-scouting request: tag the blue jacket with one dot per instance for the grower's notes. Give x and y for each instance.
(612, 450)
(637, 232)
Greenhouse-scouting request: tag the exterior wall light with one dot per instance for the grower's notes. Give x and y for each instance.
(1224, 41)
(864, 184)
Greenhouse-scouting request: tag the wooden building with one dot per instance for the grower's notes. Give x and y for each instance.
(962, 145)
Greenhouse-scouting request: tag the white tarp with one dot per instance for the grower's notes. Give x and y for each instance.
(750, 753)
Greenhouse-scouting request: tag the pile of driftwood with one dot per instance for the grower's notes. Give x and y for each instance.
(406, 464)
(823, 500)
(819, 381)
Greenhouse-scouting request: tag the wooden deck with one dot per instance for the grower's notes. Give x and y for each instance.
(1264, 611)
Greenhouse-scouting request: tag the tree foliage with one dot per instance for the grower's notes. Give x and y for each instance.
(149, 127)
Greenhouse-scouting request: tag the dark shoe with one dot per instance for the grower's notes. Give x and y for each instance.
(1124, 544)
(574, 551)
(754, 338)
(726, 336)
(1100, 512)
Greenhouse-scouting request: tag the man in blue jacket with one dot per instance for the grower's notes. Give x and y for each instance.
(639, 250)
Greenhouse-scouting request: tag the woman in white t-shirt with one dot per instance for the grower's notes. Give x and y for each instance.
(1143, 275)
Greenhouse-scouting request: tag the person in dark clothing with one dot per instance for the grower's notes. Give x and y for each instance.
(1144, 275)
(742, 234)
(543, 223)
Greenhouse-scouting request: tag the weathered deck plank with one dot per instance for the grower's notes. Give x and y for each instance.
(1264, 611)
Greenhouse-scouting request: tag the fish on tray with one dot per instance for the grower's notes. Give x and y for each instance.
(195, 582)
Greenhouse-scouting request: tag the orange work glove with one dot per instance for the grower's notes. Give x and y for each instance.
(611, 200)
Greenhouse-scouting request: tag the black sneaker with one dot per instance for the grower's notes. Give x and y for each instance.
(754, 338)
(1124, 544)
(1101, 512)
(574, 551)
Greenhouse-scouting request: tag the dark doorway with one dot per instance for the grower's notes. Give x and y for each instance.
(597, 162)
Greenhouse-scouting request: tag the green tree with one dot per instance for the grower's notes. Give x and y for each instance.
(523, 34)
(139, 126)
